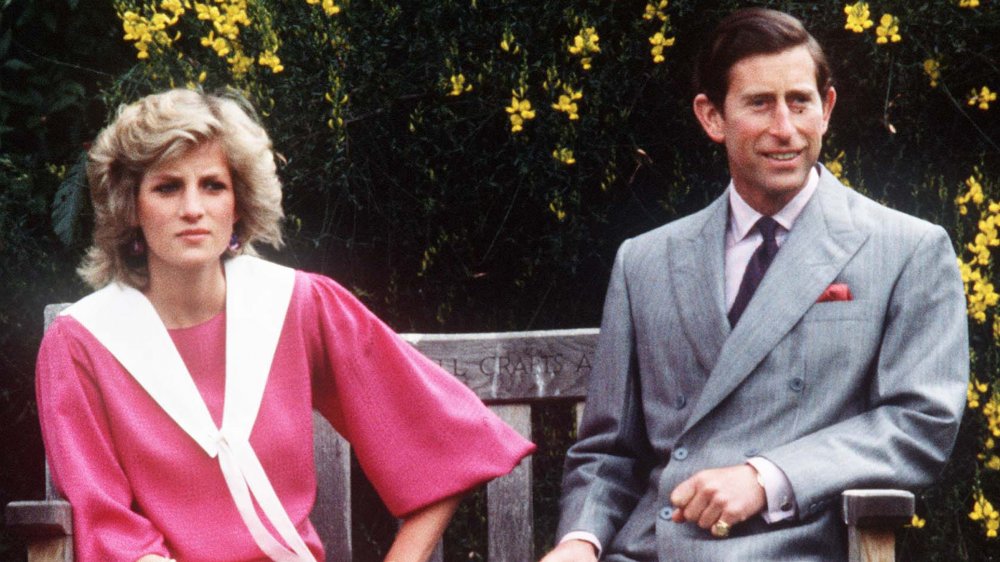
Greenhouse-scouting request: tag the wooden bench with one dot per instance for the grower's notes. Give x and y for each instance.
(510, 372)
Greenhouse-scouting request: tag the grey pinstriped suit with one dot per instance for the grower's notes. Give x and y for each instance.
(845, 394)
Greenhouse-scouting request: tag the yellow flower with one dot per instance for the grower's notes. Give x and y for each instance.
(218, 44)
(567, 103)
(520, 111)
(270, 60)
(974, 194)
(836, 167)
(932, 67)
(146, 32)
(973, 394)
(584, 44)
(655, 10)
(993, 463)
(917, 523)
(507, 43)
(564, 155)
(982, 98)
(240, 63)
(330, 8)
(983, 511)
(991, 411)
(206, 12)
(888, 30)
(658, 41)
(858, 17)
(980, 293)
(458, 85)
(968, 3)
(560, 214)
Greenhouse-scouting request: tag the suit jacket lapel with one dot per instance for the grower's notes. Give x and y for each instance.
(698, 278)
(820, 244)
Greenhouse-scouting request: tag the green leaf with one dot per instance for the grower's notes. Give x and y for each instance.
(5, 43)
(69, 200)
(70, 94)
(16, 65)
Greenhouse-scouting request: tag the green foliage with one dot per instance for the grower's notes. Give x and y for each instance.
(33, 269)
(52, 56)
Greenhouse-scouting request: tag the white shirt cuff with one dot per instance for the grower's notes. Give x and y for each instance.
(777, 489)
(583, 536)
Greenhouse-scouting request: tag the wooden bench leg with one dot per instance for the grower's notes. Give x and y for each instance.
(58, 549)
(871, 545)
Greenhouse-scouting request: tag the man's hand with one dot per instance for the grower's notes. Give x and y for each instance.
(573, 550)
(731, 495)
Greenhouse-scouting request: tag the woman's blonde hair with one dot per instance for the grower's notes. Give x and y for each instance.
(157, 129)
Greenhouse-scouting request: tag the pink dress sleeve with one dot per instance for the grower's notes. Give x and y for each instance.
(78, 438)
(419, 434)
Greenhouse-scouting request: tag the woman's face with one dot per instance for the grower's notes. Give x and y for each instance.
(186, 209)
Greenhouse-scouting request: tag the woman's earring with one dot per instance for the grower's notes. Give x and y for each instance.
(234, 242)
(138, 247)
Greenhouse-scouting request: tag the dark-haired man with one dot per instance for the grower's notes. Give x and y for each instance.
(792, 340)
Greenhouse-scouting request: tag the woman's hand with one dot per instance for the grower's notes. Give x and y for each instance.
(421, 531)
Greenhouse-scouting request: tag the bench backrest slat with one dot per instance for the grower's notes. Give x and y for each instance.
(510, 520)
(331, 515)
(515, 366)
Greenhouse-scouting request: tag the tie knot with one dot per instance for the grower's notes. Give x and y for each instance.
(767, 227)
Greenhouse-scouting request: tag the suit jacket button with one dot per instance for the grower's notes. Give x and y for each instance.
(680, 402)
(666, 513)
(680, 453)
(752, 452)
(797, 384)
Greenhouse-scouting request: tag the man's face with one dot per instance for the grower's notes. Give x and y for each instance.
(772, 125)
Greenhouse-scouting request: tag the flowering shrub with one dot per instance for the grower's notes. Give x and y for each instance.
(977, 206)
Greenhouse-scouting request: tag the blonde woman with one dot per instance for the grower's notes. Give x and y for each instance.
(176, 400)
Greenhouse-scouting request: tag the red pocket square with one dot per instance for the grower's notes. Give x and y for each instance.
(836, 292)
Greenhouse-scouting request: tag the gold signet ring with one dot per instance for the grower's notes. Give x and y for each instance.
(720, 530)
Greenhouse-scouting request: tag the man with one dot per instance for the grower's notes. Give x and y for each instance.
(790, 341)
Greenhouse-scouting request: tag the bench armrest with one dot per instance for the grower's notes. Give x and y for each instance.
(878, 508)
(872, 517)
(40, 519)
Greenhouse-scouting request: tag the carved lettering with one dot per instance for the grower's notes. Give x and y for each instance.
(584, 363)
(450, 365)
(558, 361)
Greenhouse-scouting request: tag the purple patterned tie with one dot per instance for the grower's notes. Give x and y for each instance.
(759, 262)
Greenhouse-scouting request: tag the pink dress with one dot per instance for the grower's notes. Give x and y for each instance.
(140, 485)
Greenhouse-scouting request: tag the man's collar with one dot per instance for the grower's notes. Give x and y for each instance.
(742, 217)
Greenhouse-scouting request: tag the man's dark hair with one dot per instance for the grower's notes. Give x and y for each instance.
(749, 32)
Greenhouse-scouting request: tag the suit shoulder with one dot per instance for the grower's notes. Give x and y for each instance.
(877, 219)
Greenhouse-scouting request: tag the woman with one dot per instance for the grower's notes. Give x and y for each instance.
(176, 400)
